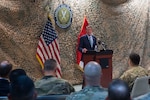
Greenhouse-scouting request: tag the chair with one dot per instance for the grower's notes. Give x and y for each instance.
(142, 97)
(52, 97)
(48, 97)
(141, 86)
(3, 98)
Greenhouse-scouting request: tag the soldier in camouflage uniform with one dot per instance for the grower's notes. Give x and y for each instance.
(50, 84)
(134, 70)
(92, 89)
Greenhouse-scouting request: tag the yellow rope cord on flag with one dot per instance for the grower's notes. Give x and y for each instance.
(40, 61)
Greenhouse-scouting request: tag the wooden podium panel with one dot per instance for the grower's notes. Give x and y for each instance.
(104, 58)
(89, 56)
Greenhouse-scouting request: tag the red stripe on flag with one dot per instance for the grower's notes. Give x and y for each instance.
(58, 71)
(57, 45)
(41, 52)
(50, 51)
(53, 46)
(44, 47)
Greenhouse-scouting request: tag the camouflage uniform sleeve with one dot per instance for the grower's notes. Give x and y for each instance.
(36, 83)
(69, 97)
(146, 72)
(77, 96)
(125, 77)
(37, 88)
(68, 88)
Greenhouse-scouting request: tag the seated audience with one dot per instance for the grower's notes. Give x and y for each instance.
(5, 68)
(50, 84)
(134, 70)
(16, 73)
(22, 89)
(92, 89)
(118, 90)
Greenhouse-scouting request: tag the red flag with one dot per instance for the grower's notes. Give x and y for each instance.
(82, 32)
(48, 46)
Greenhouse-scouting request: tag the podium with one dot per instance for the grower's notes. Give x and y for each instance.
(104, 58)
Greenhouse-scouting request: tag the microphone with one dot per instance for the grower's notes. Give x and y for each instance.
(98, 41)
(102, 44)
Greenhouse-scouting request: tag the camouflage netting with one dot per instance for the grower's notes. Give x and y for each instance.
(124, 27)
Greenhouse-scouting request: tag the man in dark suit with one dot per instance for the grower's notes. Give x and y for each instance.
(88, 41)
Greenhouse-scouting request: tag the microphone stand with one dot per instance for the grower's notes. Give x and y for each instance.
(102, 44)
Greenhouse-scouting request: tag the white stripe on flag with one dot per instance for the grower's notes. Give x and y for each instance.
(40, 54)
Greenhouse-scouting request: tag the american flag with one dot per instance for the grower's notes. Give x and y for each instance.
(48, 46)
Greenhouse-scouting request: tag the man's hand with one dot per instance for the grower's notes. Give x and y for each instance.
(84, 50)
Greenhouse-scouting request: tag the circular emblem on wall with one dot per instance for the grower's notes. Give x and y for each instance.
(63, 16)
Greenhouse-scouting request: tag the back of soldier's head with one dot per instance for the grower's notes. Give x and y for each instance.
(16, 73)
(118, 90)
(22, 89)
(92, 71)
(50, 64)
(134, 58)
(5, 68)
